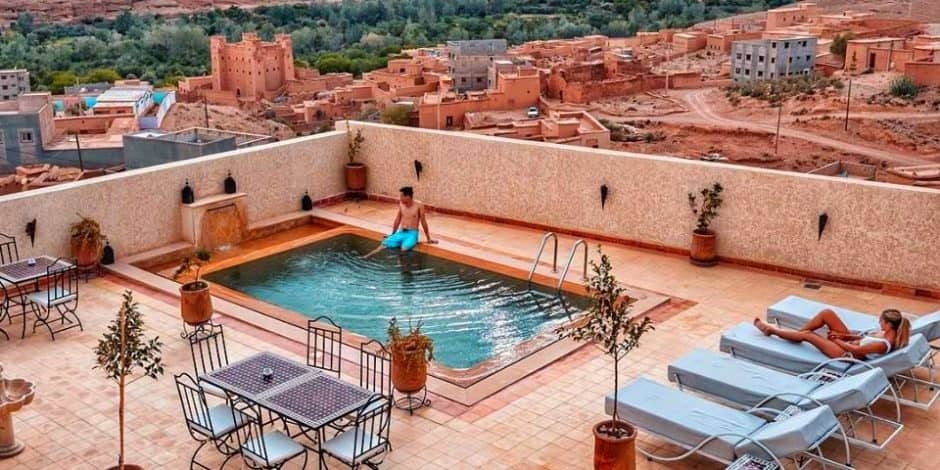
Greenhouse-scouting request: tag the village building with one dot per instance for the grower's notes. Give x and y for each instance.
(560, 127)
(445, 109)
(13, 82)
(469, 62)
(769, 59)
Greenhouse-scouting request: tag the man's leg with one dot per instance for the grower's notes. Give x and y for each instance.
(392, 241)
(409, 240)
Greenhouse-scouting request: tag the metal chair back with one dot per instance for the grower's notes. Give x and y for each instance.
(208, 349)
(372, 424)
(8, 251)
(195, 409)
(251, 436)
(375, 368)
(325, 345)
(61, 282)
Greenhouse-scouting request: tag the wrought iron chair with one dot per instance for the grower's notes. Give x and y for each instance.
(262, 450)
(366, 441)
(325, 345)
(209, 353)
(8, 250)
(59, 296)
(215, 424)
(375, 368)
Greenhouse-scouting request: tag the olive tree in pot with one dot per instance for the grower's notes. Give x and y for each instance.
(410, 356)
(609, 324)
(121, 351)
(705, 207)
(356, 177)
(86, 241)
(195, 301)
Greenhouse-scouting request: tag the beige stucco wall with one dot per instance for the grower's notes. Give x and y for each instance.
(876, 232)
(140, 209)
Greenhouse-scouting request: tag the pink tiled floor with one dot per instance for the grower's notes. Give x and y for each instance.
(543, 422)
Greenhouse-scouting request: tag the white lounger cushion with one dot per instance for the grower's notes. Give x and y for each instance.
(795, 311)
(746, 341)
(748, 384)
(689, 419)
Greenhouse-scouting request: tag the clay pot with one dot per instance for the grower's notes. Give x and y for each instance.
(703, 252)
(409, 370)
(613, 453)
(127, 466)
(195, 303)
(356, 176)
(86, 252)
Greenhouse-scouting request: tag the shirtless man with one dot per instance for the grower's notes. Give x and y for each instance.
(410, 213)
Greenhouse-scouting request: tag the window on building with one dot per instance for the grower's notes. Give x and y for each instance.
(739, 56)
(463, 79)
(760, 59)
(773, 44)
(808, 58)
(26, 136)
(4, 87)
(450, 121)
(786, 45)
(479, 79)
(760, 74)
(737, 71)
(790, 60)
(747, 72)
(748, 58)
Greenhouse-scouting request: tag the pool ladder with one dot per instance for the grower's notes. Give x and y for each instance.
(564, 273)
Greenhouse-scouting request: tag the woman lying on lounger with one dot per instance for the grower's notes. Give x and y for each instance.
(840, 342)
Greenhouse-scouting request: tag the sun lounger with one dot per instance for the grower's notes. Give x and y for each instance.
(720, 432)
(746, 384)
(795, 311)
(747, 342)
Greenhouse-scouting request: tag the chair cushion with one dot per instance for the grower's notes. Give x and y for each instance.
(852, 392)
(746, 341)
(738, 381)
(343, 445)
(794, 311)
(277, 445)
(793, 435)
(42, 298)
(927, 325)
(900, 360)
(221, 421)
(681, 417)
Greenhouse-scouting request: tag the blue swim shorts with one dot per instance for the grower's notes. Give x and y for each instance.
(406, 239)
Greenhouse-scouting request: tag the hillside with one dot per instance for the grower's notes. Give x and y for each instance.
(54, 11)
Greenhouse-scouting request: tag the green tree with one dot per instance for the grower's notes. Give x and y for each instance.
(331, 63)
(124, 22)
(101, 75)
(60, 80)
(24, 23)
(840, 43)
(397, 114)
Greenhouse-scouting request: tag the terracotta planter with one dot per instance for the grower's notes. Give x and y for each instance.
(356, 176)
(703, 252)
(127, 466)
(86, 252)
(409, 370)
(195, 303)
(612, 453)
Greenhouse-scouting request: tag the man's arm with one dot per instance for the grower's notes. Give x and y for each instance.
(424, 223)
(397, 221)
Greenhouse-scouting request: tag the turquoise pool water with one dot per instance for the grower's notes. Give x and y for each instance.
(471, 314)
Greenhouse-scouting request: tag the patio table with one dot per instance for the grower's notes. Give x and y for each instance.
(301, 394)
(21, 273)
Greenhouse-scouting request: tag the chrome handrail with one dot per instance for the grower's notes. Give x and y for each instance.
(538, 254)
(574, 250)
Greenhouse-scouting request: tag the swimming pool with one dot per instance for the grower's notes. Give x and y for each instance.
(473, 315)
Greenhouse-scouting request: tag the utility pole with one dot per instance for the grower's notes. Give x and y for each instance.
(78, 147)
(848, 103)
(777, 140)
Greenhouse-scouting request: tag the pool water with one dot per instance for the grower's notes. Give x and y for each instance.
(471, 314)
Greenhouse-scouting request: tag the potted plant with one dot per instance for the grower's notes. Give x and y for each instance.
(355, 171)
(121, 351)
(86, 241)
(608, 323)
(410, 355)
(702, 252)
(195, 301)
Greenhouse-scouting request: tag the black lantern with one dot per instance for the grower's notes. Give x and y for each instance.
(418, 169)
(306, 203)
(107, 254)
(823, 221)
(187, 194)
(230, 186)
(604, 191)
(31, 232)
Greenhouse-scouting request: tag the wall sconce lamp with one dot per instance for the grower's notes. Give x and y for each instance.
(187, 193)
(604, 191)
(230, 186)
(418, 169)
(305, 202)
(823, 221)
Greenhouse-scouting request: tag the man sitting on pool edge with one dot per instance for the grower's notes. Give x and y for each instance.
(410, 214)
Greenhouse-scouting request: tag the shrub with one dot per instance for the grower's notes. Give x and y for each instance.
(903, 87)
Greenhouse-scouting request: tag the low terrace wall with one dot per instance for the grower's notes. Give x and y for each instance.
(140, 209)
(876, 232)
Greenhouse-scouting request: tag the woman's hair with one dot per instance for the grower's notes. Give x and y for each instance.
(900, 325)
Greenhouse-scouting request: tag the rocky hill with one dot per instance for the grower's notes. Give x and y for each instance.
(71, 10)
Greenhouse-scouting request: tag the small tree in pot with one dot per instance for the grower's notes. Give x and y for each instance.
(195, 301)
(86, 240)
(121, 351)
(705, 208)
(356, 177)
(410, 356)
(608, 323)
